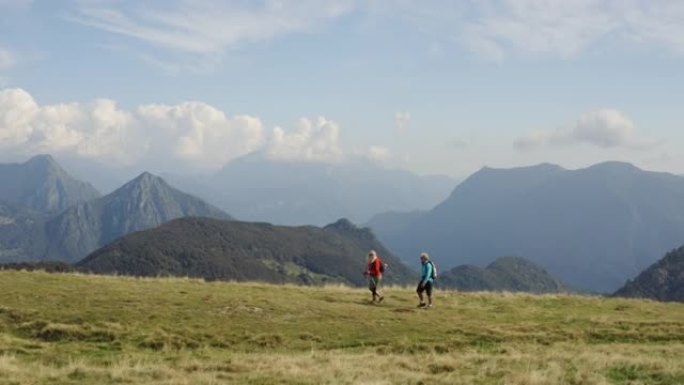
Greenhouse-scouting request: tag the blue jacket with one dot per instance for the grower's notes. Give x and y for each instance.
(427, 272)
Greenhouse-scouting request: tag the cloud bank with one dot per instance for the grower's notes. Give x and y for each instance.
(313, 140)
(605, 128)
(189, 135)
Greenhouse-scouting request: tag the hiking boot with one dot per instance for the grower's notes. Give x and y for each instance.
(381, 298)
(422, 304)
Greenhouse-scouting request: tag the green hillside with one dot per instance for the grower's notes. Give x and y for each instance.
(504, 274)
(80, 329)
(662, 281)
(245, 251)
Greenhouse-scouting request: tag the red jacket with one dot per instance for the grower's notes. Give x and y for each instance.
(374, 268)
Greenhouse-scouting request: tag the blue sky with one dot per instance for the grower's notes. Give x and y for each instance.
(430, 86)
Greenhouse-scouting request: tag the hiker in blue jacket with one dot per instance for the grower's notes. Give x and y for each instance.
(425, 284)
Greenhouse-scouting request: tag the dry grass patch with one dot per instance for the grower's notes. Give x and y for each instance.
(80, 329)
(514, 365)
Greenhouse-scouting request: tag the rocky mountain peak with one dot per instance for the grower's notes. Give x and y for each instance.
(43, 160)
(148, 179)
(145, 184)
(41, 184)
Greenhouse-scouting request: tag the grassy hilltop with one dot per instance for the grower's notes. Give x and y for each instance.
(77, 329)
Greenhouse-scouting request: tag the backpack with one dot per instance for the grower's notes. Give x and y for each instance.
(383, 266)
(434, 270)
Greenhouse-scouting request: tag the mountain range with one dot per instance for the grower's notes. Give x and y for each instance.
(232, 250)
(47, 214)
(592, 227)
(143, 203)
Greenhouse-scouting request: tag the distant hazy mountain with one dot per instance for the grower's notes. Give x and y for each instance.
(42, 185)
(296, 193)
(21, 233)
(394, 222)
(504, 274)
(662, 281)
(593, 227)
(231, 250)
(143, 203)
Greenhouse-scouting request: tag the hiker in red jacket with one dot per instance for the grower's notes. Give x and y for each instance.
(374, 274)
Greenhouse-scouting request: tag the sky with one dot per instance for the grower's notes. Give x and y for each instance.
(431, 86)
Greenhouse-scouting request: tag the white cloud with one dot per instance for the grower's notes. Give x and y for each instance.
(402, 120)
(606, 128)
(312, 140)
(7, 59)
(17, 111)
(187, 136)
(199, 134)
(379, 154)
(533, 141)
(209, 27)
(96, 130)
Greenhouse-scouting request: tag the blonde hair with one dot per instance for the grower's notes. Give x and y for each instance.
(425, 256)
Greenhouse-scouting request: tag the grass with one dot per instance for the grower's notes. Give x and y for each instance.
(79, 329)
